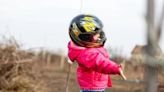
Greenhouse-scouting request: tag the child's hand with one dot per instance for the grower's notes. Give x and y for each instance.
(69, 61)
(122, 74)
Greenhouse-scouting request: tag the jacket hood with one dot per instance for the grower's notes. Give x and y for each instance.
(74, 50)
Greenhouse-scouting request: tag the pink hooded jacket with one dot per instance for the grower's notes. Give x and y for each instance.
(93, 68)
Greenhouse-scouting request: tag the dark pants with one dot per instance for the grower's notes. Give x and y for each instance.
(92, 91)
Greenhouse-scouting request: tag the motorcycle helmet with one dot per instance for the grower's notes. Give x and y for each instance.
(83, 28)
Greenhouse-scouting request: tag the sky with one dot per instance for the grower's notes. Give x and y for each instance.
(44, 23)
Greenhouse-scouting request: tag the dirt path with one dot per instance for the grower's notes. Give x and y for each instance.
(55, 80)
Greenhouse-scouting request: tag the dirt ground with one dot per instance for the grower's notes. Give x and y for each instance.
(55, 79)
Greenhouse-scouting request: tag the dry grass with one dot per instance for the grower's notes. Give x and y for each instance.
(16, 70)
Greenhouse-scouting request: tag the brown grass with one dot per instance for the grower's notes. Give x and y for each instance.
(16, 70)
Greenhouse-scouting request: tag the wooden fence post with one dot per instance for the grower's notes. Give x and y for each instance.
(151, 49)
(62, 60)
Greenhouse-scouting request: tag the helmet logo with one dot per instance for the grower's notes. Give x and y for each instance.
(89, 24)
(89, 27)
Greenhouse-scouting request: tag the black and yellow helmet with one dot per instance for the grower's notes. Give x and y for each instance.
(83, 28)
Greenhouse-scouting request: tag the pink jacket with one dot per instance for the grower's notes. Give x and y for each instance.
(93, 68)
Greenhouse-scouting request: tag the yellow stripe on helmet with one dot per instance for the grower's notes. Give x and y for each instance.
(87, 18)
(88, 25)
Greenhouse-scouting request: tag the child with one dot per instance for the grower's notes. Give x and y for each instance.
(86, 48)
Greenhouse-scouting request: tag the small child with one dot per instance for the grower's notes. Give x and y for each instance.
(86, 48)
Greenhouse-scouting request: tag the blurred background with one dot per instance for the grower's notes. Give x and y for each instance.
(37, 30)
(40, 23)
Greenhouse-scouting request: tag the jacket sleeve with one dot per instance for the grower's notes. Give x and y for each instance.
(96, 61)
